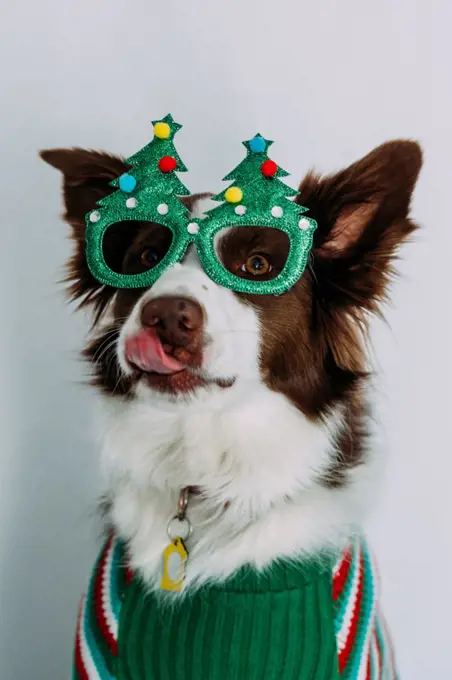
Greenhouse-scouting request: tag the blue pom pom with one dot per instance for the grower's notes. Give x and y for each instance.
(257, 144)
(127, 183)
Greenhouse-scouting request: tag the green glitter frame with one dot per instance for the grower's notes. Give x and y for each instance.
(104, 274)
(300, 243)
(259, 195)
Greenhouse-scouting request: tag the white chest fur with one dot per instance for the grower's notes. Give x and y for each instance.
(258, 462)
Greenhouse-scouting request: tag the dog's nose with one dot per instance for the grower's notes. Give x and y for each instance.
(178, 321)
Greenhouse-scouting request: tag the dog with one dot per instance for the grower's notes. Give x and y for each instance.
(250, 415)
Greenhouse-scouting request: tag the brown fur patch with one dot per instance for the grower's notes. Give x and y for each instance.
(312, 347)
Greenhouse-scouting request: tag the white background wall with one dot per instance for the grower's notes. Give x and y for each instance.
(328, 80)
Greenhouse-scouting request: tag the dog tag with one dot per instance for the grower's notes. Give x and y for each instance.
(174, 560)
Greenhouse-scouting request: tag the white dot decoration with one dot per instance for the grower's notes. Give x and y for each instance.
(162, 209)
(94, 217)
(193, 228)
(304, 223)
(240, 210)
(277, 211)
(131, 203)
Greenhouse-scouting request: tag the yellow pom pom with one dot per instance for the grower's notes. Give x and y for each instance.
(233, 195)
(162, 130)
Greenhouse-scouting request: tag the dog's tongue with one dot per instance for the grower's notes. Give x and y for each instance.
(145, 350)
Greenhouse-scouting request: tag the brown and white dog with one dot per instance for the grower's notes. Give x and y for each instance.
(260, 402)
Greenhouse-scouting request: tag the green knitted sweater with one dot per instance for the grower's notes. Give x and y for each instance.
(313, 620)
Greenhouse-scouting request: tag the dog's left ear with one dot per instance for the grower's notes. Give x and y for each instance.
(362, 215)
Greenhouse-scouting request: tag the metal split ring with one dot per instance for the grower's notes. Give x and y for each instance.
(179, 528)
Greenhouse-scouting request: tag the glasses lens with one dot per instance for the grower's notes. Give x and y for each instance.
(133, 247)
(253, 253)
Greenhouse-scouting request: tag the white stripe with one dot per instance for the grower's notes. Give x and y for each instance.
(88, 661)
(350, 607)
(105, 593)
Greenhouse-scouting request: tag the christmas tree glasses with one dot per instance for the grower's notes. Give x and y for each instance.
(150, 192)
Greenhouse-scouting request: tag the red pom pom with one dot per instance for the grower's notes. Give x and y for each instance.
(269, 168)
(167, 164)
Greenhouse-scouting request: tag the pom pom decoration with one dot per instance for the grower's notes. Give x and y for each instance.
(127, 183)
(277, 211)
(240, 210)
(257, 144)
(94, 216)
(131, 203)
(269, 168)
(233, 195)
(162, 130)
(163, 209)
(304, 223)
(167, 164)
(193, 228)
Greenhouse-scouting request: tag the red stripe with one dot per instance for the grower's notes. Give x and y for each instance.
(98, 604)
(346, 651)
(369, 664)
(378, 648)
(129, 575)
(82, 673)
(341, 575)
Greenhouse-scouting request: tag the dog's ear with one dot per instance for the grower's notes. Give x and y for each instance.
(362, 216)
(86, 179)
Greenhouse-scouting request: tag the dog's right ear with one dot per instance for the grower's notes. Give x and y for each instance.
(86, 179)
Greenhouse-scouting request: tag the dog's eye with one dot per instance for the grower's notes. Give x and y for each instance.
(149, 258)
(257, 265)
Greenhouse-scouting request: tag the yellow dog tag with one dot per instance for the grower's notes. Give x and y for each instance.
(174, 560)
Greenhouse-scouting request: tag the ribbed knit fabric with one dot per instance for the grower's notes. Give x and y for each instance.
(313, 620)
